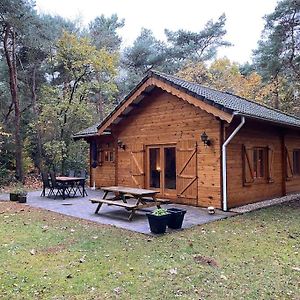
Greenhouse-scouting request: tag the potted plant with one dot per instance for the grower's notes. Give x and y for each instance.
(158, 220)
(176, 217)
(18, 193)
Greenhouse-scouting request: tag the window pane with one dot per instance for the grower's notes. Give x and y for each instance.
(155, 167)
(255, 163)
(111, 156)
(170, 168)
(261, 163)
(106, 156)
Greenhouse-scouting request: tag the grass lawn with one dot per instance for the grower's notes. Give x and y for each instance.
(45, 255)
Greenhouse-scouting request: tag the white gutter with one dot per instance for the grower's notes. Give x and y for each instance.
(224, 162)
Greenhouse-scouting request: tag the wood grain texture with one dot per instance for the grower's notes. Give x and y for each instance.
(154, 82)
(247, 190)
(160, 119)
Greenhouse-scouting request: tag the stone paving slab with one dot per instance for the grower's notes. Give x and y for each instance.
(81, 207)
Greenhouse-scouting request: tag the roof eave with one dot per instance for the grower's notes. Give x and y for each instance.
(280, 123)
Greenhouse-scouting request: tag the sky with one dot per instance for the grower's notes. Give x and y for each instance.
(244, 18)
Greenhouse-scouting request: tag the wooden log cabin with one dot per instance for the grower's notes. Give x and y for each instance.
(195, 145)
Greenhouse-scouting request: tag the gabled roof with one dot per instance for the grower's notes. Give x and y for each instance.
(221, 104)
(235, 104)
(90, 131)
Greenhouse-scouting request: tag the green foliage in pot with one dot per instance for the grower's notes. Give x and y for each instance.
(19, 190)
(160, 212)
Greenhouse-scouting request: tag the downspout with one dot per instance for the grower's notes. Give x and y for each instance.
(224, 162)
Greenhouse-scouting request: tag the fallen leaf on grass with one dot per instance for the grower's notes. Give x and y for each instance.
(118, 290)
(204, 260)
(173, 271)
(82, 259)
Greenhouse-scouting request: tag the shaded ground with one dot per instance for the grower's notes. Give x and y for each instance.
(44, 255)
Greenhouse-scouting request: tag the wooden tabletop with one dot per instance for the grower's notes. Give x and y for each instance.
(66, 178)
(129, 190)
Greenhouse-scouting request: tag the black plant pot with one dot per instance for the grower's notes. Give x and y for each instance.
(13, 197)
(176, 217)
(158, 224)
(22, 198)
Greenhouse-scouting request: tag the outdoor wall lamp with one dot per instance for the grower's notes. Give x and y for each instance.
(204, 138)
(121, 145)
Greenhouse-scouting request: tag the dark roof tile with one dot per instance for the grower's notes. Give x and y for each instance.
(236, 104)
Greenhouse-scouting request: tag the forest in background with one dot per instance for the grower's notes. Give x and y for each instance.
(57, 77)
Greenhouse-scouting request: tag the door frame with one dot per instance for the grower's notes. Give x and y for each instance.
(163, 192)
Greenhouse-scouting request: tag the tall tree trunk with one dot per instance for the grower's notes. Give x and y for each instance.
(38, 159)
(10, 55)
(276, 93)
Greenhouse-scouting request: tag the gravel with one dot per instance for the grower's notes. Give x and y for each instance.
(265, 203)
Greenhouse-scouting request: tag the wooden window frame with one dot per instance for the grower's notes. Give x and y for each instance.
(249, 168)
(106, 151)
(296, 167)
(257, 166)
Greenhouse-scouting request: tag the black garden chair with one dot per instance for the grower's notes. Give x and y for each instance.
(57, 186)
(81, 183)
(46, 185)
(71, 173)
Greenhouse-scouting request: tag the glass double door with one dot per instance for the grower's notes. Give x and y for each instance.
(161, 169)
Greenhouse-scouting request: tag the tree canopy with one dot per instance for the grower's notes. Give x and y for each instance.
(277, 57)
(58, 77)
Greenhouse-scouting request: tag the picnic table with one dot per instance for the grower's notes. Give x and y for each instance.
(69, 184)
(143, 198)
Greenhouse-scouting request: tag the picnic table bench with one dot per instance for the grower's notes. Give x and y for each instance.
(143, 198)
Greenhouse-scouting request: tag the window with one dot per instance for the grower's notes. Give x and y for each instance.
(259, 162)
(106, 154)
(296, 162)
(109, 155)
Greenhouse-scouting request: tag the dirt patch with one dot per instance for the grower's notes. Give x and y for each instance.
(54, 249)
(204, 260)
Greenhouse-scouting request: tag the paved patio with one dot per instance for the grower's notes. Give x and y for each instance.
(81, 207)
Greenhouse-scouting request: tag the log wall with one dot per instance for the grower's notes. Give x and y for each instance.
(162, 118)
(255, 134)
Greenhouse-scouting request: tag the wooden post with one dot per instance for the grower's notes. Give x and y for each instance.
(222, 139)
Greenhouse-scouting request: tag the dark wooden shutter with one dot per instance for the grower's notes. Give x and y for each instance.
(94, 154)
(187, 179)
(289, 164)
(270, 159)
(248, 176)
(137, 165)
